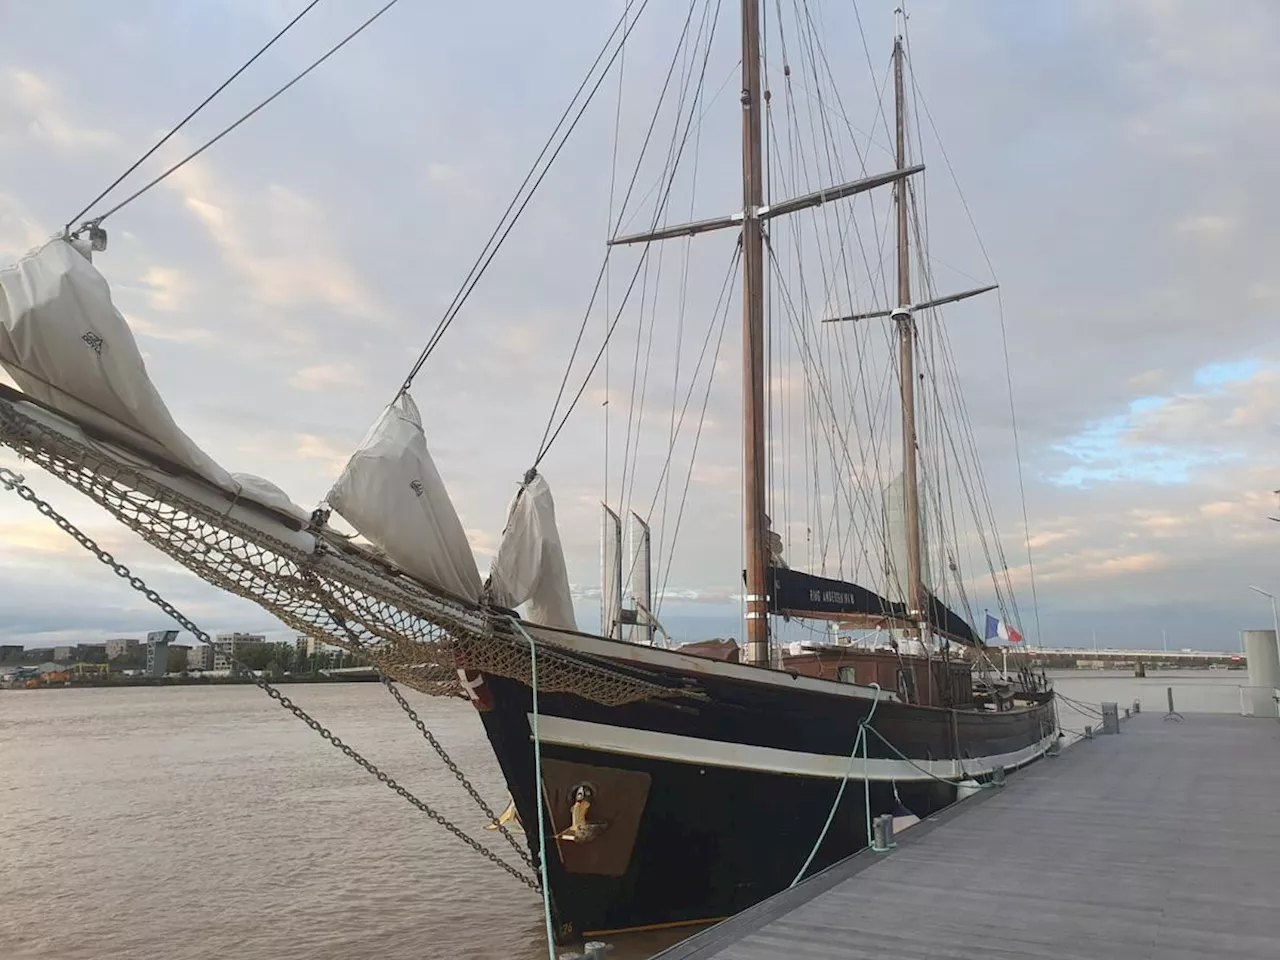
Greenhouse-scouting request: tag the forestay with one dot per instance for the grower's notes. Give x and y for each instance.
(530, 568)
(68, 347)
(392, 493)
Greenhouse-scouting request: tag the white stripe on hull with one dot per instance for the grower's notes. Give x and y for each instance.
(562, 731)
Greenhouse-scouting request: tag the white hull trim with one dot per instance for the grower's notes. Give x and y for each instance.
(604, 738)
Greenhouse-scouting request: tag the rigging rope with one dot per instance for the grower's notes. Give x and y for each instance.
(183, 122)
(1004, 341)
(697, 436)
(499, 235)
(15, 483)
(608, 274)
(96, 221)
(549, 436)
(814, 364)
(675, 153)
(603, 275)
(839, 444)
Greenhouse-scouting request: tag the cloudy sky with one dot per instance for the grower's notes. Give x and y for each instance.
(1117, 158)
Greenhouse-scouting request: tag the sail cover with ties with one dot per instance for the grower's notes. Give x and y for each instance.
(797, 594)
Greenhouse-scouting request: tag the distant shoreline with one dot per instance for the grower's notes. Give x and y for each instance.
(189, 681)
(368, 675)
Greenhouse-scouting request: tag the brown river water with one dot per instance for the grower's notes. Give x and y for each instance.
(206, 822)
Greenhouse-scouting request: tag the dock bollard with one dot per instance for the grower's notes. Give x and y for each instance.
(1110, 718)
(882, 833)
(998, 775)
(1088, 732)
(1137, 707)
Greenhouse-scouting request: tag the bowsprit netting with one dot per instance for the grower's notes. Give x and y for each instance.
(313, 580)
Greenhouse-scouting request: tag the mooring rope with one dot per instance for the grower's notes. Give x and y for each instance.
(537, 789)
(860, 741)
(928, 773)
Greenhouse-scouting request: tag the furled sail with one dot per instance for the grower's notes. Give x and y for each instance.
(797, 594)
(392, 493)
(529, 568)
(67, 347)
(894, 499)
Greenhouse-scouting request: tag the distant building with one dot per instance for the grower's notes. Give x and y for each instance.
(80, 652)
(158, 651)
(316, 647)
(200, 657)
(224, 647)
(124, 647)
(10, 651)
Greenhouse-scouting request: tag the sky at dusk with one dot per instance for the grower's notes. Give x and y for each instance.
(1117, 158)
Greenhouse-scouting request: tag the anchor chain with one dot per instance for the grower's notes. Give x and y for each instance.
(16, 482)
(453, 768)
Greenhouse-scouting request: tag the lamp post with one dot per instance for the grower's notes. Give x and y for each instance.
(1275, 620)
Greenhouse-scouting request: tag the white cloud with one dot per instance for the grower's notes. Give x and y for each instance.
(1209, 228)
(332, 455)
(167, 288)
(41, 110)
(19, 231)
(326, 375)
(278, 242)
(169, 329)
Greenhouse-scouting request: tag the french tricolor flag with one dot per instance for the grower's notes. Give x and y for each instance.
(997, 629)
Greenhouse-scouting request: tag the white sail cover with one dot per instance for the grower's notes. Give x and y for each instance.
(392, 493)
(67, 346)
(894, 498)
(530, 568)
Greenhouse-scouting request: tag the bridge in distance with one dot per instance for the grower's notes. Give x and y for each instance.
(1088, 656)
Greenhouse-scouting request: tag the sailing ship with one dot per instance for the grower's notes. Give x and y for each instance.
(677, 785)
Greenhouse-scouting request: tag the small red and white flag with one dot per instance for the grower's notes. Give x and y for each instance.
(997, 629)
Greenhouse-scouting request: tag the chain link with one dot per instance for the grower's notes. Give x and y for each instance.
(453, 768)
(16, 482)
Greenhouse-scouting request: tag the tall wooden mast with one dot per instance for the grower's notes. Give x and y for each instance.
(754, 454)
(751, 221)
(906, 363)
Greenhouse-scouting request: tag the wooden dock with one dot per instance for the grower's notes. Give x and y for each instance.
(1161, 842)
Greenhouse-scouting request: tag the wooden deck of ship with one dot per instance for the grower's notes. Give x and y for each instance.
(1161, 842)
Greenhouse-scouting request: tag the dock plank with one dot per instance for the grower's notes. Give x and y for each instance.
(1161, 843)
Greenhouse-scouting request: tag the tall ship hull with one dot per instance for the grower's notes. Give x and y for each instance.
(655, 785)
(705, 802)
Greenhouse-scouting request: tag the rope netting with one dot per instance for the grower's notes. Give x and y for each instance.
(336, 593)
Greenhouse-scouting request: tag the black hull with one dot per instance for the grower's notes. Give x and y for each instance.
(716, 805)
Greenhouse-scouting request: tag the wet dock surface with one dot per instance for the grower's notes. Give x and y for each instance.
(1160, 842)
